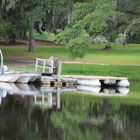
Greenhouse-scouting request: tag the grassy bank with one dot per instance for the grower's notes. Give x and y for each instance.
(132, 72)
(118, 55)
(123, 60)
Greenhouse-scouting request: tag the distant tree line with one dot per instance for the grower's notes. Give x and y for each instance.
(76, 22)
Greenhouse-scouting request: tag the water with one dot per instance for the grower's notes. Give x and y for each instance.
(42, 113)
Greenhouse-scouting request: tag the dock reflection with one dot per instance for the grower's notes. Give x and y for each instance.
(50, 96)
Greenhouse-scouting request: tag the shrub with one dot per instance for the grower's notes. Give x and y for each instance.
(7, 30)
(47, 36)
(78, 46)
(100, 40)
(121, 39)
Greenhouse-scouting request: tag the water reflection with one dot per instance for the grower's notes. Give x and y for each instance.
(65, 118)
(50, 96)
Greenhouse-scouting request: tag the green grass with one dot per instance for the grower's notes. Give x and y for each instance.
(119, 55)
(122, 60)
(132, 72)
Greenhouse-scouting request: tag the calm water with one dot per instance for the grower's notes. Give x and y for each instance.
(32, 113)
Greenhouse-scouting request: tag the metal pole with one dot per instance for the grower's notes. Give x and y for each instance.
(1, 57)
(59, 71)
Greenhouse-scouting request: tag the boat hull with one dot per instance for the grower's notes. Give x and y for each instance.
(19, 77)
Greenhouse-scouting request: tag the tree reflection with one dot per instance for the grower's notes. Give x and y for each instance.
(100, 120)
(13, 119)
(79, 118)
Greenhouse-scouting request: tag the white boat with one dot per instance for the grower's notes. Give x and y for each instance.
(17, 77)
(21, 77)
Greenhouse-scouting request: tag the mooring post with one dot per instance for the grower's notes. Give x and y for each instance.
(59, 71)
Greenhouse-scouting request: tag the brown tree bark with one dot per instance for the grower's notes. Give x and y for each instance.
(31, 38)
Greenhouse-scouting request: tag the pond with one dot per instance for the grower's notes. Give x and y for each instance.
(29, 112)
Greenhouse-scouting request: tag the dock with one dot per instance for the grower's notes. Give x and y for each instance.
(48, 71)
(55, 78)
(85, 80)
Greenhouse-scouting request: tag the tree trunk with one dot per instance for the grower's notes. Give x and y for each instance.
(31, 38)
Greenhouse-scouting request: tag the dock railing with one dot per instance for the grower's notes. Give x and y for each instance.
(45, 64)
(50, 65)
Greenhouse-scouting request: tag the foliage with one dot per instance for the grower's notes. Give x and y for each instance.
(131, 8)
(8, 4)
(70, 33)
(78, 46)
(121, 39)
(95, 20)
(35, 14)
(80, 10)
(106, 18)
(7, 30)
(47, 36)
(100, 40)
(77, 40)
(91, 17)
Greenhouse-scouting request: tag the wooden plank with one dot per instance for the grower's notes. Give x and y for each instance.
(94, 77)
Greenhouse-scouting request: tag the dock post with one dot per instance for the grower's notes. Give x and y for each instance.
(59, 71)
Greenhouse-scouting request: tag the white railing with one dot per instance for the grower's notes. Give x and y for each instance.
(45, 64)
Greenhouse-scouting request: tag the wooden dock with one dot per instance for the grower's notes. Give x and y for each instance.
(85, 80)
(95, 77)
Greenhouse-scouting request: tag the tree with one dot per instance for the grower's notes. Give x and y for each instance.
(91, 17)
(7, 28)
(28, 15)
(35, 13)
(131, 8)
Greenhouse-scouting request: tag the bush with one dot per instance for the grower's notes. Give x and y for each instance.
(46, 36)
(121, 39)
(78, 46)
(77, 40)
(100, 40)
(7, 31)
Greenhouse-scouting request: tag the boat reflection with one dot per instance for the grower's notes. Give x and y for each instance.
(50, 96)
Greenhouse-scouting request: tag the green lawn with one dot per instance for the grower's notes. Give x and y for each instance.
(119, 55)
(121, 59)
(132, 72)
